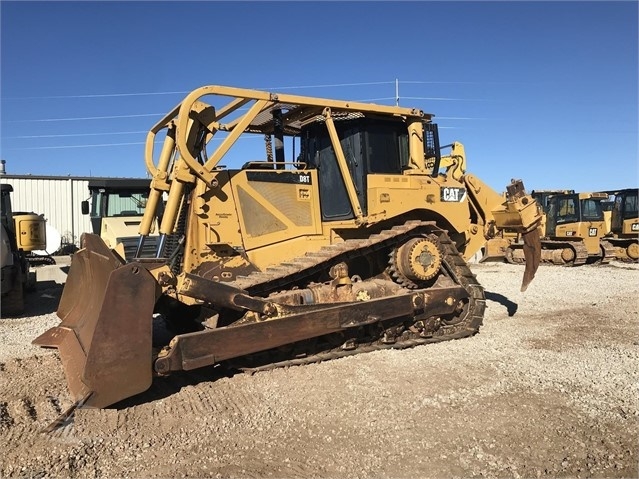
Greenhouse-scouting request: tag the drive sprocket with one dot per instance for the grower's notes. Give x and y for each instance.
(416, 261)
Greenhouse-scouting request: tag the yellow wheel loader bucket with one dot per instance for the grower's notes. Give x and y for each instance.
(105, 337)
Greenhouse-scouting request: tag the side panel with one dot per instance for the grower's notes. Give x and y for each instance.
(630, 223)
(630, 227)
(212, 223)
(276, 205)
(30, 232)
(589, 231)
(390, 196)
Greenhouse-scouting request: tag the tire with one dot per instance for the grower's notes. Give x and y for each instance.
(13, 302)
(31, 283)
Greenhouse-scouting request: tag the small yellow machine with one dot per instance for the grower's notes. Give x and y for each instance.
(356, 241)
(572, 229)
(21, 233)
(623, 234)
(116, 206)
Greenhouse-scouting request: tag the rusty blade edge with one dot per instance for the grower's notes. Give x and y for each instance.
(66, 416)
(532, 256)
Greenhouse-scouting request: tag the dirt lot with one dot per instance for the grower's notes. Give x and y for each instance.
(548, 391)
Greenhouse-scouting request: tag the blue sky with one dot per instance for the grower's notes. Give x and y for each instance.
(543, 91)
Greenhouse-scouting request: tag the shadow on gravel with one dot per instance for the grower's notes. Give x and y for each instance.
(619, 265)
(510, 306)
(163, 387)
(43, 300)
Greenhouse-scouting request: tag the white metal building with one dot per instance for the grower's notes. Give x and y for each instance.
(58, 198)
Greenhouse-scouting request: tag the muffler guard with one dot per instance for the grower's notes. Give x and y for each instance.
(105, 337)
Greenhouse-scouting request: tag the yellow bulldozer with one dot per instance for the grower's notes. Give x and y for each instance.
(623, 231)
(507, 245)
(356, 241)
(572, 230)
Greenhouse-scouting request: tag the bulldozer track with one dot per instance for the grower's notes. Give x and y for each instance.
(625, 259)
(337, 354)
(620, 246)
(608, 250)
(308, 267)
(581, 252)
(312, 264)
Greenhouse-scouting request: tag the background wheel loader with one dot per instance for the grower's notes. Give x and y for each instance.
(356, 241)
(116, 206)
(572, 229)
(21, 233)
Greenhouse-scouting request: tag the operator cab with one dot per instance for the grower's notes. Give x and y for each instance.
(115, 198)
(371, 146)
(625, 208)
(569, 209)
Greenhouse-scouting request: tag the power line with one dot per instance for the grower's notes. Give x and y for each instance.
(113, 95)
(157, 140)
(102, 145)
(459, 118)
(335, 85)
(292, 87)
(75, 146)
(109, 95)
(377, 99)
(440, 98)
(77, 134)
(439, 82)
(96, 95)
(71, 135)
(240, 109)
(443, 82)
(86, 118)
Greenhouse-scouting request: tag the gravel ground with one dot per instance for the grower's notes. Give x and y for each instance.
(548, 388)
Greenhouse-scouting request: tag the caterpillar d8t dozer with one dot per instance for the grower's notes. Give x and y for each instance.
(357, 242)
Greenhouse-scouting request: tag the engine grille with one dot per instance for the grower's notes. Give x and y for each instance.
(130, 244)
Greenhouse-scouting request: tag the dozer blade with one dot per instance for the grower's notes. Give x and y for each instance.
(105, 337)
(532, 255)
(495, 250)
